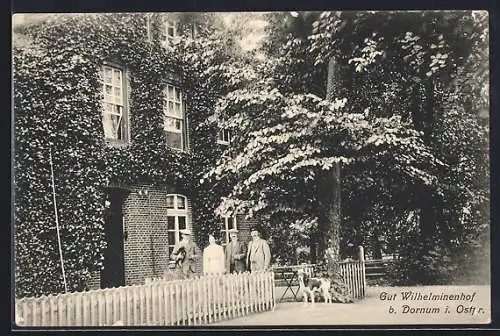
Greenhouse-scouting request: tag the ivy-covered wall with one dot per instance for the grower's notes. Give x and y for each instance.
(57, 110)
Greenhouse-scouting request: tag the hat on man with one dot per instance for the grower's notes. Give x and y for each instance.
(186, 232)
(255, 228)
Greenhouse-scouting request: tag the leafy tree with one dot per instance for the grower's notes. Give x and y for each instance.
(421, 65)
(416, 67)
(283, 155)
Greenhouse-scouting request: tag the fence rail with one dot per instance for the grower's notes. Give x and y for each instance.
(195, 301)
(353, 274)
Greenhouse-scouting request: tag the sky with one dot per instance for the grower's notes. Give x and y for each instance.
(252, 26)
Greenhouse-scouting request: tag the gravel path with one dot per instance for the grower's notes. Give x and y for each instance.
(374, 310)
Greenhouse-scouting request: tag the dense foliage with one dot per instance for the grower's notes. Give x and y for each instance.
(57, 107)
(408, 123)
(280, 161)
(430, 68)
(427, 70)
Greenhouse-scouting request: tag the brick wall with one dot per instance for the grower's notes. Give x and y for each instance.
(146, 246)
(95, 281)
(244, 226)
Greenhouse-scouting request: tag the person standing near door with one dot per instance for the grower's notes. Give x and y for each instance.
(259, 253)
(187, 254)
(236, 252)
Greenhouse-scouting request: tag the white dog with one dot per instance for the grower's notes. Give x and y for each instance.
(310, 286)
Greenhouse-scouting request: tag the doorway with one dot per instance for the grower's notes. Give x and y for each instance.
(113, 274)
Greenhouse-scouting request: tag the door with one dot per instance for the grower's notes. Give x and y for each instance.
(113, 274)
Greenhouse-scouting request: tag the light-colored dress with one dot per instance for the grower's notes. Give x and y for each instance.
(213, 259)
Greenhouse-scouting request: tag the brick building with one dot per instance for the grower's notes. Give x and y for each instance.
(143, 220)
(142, 226)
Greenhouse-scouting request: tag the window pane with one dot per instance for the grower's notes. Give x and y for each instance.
(182, 222)
(117, 109)
(117, 76)
(111, 126)
(170, 202)
(171, 237)
(170, 223)
(181, 202)
(109, 108)
(108, 90)
(170, 250)
(230, 223)
(108, 75)
(171, 107)
(170, 94)
(178, 109)
(169, 123)
(174, 139)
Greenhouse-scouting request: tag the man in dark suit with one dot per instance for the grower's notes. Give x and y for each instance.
(235, 253)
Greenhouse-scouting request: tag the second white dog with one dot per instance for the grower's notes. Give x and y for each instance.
(311, 285)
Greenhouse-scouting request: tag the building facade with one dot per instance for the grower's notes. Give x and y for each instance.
(153, 144)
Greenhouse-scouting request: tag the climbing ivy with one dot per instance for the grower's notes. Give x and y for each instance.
(57, 110)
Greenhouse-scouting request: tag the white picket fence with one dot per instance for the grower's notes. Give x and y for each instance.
(353, 273)
(197, 301)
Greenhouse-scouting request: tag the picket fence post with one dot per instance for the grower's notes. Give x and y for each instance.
(159, 301)
(171, 291)
(218, 297)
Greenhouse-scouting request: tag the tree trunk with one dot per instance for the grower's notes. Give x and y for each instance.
(331, 193)
(313, 253)
(423, 119)
(333, 219)
(330, 196)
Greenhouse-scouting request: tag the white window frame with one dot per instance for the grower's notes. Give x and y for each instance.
(224, 228)
(195, 31)
(178, 115)
(176, 212)
(224, 137)
(149, 35)
(166, 38)
(115, 101)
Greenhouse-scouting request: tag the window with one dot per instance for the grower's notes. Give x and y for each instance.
(194, 30)
(169, 33)
(224, 137)
(114, 117)
(176, 219)
(173, 117)
(149, 35)
(226, 223)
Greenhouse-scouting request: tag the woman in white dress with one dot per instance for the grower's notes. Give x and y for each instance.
(213, 258)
